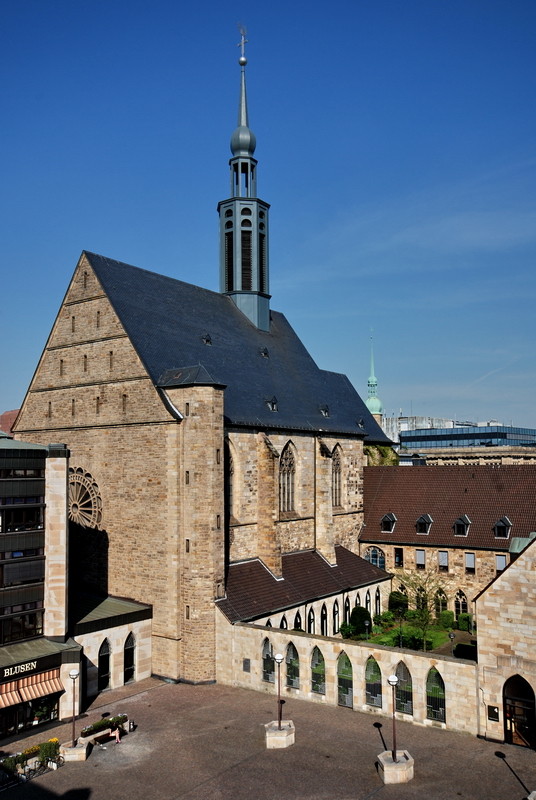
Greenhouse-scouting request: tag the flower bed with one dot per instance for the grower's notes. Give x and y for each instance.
(102, 725)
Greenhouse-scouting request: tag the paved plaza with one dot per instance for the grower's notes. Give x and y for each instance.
(207, 743)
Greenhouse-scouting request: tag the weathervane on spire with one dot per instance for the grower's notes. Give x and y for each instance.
(242, 44)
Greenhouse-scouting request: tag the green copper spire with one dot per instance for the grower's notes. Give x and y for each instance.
(373, 402)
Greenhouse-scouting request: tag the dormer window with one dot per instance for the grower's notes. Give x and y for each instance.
(324, 410)
(388, 522)
(272, 404)
(461, 526)
(502, 528)
(424, 523)
(206, 339)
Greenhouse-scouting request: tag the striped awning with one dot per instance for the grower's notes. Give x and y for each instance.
(9, 695)
(40, 685)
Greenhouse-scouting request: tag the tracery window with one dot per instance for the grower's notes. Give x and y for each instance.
(85, 504)
(287, 471)
(336, 476)
(375, 556)
(440, 601)
(335, 618)
(311, 621)
(460, 604)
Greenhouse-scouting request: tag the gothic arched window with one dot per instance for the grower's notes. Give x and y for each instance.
(435, 696)
(103, 680)
(324, 620)
(375, 556)
(336, 475)
(129, 659)
(287, 471)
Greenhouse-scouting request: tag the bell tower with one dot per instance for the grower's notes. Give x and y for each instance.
(244, 222)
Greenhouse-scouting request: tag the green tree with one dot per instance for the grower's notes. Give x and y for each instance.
(422, 587)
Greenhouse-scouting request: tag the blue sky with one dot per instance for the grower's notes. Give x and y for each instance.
(395, 144)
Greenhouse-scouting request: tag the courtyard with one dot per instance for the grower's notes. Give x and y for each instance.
(207, 743)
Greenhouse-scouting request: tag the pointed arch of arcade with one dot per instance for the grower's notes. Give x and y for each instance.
(435, 696)
(283, 624)
(324, 620)
(287, 475)
(347, 610)
(335, 618)
(311, 621)
(373, 682)
(519, 712)
(268, 663)
(318, 672)
(404, 689)
(293, 667)
(129, 658)
(345, 685)
(440, 601)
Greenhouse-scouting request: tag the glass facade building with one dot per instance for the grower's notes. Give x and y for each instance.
(474, 436)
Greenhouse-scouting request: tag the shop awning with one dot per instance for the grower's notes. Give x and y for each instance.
(40, 685)
(9, 695)
(9, 699)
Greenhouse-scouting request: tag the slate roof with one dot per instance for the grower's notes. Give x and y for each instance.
(446, 493)
(252, 591)
(169, 323)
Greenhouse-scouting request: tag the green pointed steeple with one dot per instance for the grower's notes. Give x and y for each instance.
(373, 402)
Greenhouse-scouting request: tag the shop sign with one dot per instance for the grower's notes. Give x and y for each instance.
(18, 669)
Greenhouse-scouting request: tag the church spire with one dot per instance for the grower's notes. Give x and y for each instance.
(373, 402)
(244, 221)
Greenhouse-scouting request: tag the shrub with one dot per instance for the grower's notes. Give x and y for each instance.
(358, 617)
(9, 764)
(398, 603)
(446, 620)
(412, 615)
(464, 622)
(385, 620)
(30, 752)
(48, 750)
(346, 630)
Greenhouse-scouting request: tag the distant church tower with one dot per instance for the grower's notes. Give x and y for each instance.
(373, 402)
(244, 223)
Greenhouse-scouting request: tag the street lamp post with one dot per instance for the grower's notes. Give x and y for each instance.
(393, 682)
(452, 636)
(73, 675)
(279, 660)
(367, 624)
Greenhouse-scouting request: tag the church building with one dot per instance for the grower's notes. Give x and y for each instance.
(202, 437)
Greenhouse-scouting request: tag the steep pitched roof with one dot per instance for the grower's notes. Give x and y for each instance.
(252, 591)
(482, 493)
(176, 326)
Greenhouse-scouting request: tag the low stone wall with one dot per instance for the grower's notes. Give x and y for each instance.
(239, 648)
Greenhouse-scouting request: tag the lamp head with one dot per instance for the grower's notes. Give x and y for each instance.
(392, 680)
(73, 674)
(279, 658)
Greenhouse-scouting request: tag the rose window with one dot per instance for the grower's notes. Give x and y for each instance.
(85, 504)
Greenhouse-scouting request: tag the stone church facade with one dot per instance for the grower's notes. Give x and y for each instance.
(201, 432)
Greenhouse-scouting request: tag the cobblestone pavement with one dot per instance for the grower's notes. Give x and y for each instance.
(207, 743)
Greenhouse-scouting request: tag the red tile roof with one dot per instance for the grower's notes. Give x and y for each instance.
(252, 591)
(483, 493)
